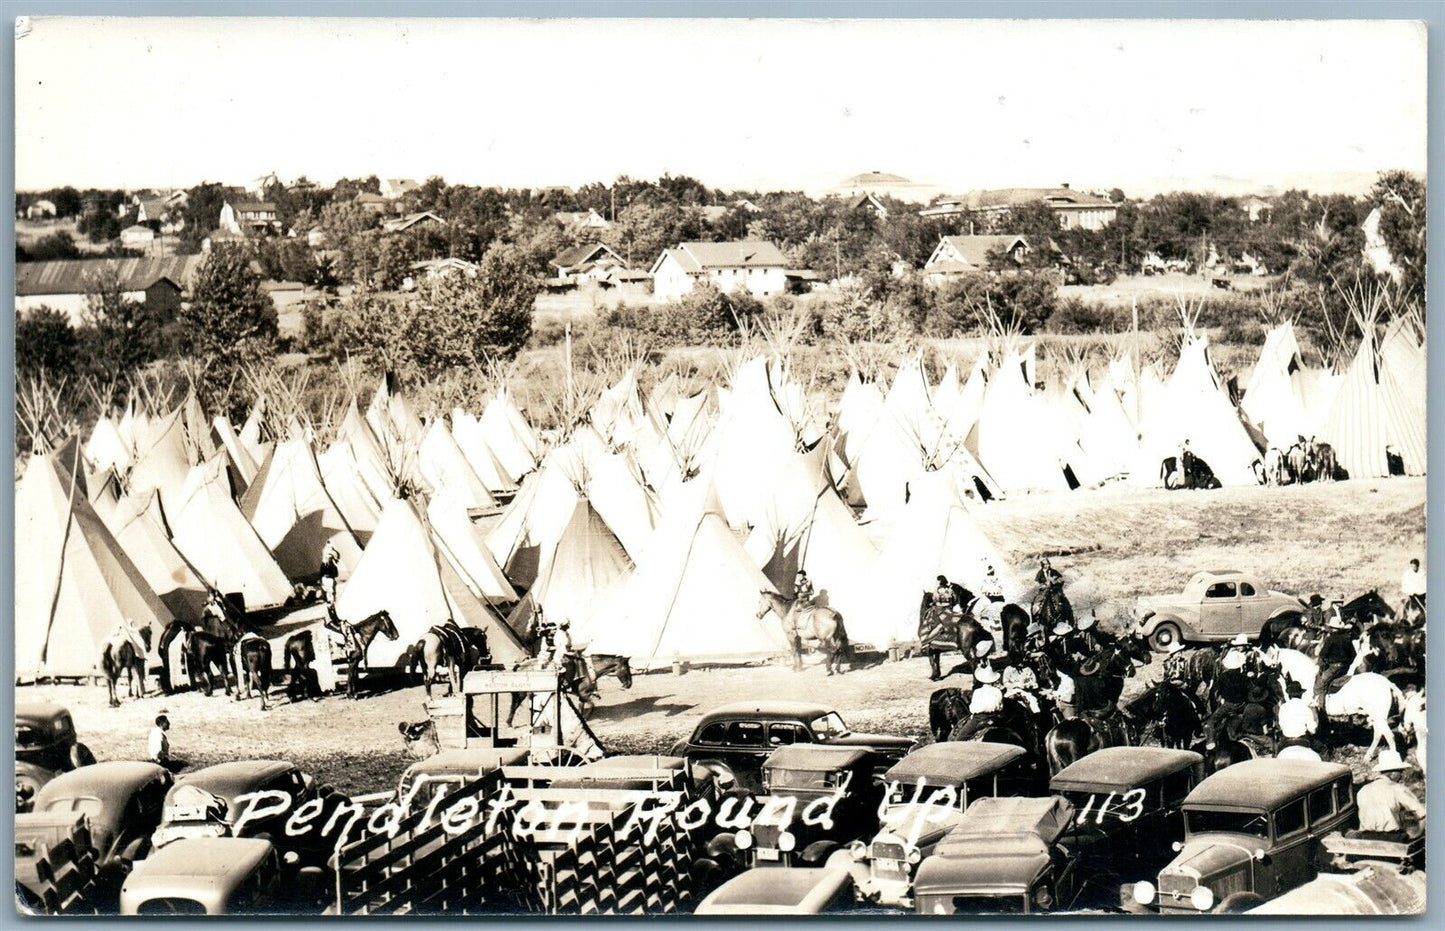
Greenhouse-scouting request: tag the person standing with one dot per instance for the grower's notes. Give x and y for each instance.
(330, 571)
(158, 745)
(1386, 806)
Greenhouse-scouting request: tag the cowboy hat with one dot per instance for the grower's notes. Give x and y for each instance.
(1233, 660)
(1174, 647)
(1317, 599)
(1091, 666)
(1087, 621)
(983, 647)
(985, 673)
(1240, 640)
(1389, 762)
(1063, 627)
(1034, 629)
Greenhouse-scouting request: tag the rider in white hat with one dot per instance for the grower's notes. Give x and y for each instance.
(983, 649)
(987, 697)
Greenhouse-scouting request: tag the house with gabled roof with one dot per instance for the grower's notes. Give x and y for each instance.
(245, 217)
(66, 285)
(584, 263)
(963, 255)
(373, 202)
(756, 267)
(410, 221)
(1071, 209)
(579, 220)
(866, 201)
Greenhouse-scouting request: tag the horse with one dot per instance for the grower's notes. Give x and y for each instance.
(442, 645)
(1050, 606)
(123, 656)
(301, 680)
(1168, 711)
(1413, 724)
(593, 668)
(1075, 738)
(1274, 466)
(1011, 724)
(1297, 461)
(803, 625)
(255, 663)
(1099, 680)
(1366, 608)
(1367, 694)
(1398, 652)
(1014, 621)
(358, 641)
(204, 652)
(946, 710)
(1225, 753)
(1324, 465)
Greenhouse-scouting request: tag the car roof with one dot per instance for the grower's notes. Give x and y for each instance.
(997, 819)
(815, 757)
(113, 781)
(1121, 768)
(227, 780)
(778, 708)
(39, 710)
(1262, 785)
(779, 887)
(953, 762)
(210, 858)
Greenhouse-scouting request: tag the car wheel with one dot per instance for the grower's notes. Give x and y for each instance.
(1239, 902)
(1165, 636)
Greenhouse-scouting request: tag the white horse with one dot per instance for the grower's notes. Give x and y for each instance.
(1368, 694)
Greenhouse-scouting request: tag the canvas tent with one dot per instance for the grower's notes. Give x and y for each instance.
(294, 515)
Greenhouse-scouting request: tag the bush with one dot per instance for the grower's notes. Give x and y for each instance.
(44, 341)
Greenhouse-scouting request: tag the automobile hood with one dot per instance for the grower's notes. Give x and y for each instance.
(1202, 860)
(878, 741)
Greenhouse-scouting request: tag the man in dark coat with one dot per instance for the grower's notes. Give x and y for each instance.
(1231, 692)
(1337, 652)
(937, 632)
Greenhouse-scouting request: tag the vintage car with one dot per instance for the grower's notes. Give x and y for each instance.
(780, 833)
(781, 891)
(448, 770)
(927, 793)
(1214, 606)
(1128, 803)
(734, 740)
(204, 804)
(204, 876)
(1005, 856)
(45, 744)
(1251, 832)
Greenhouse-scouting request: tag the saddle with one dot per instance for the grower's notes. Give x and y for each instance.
(451, 639)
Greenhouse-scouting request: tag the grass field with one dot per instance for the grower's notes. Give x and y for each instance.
(1345, 537)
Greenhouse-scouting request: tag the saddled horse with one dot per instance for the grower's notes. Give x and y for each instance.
(1014, 622)
(1097, 687)
(1075, 738)
(1365, 694)
(596, 666)
(124, 656)
(1051, 605)
(946, 709)
(225, 629)
(803, 626)
(442, 645)
(1168, 713)
(358, 640)
(301, 679)
(255, 668)
(1367, 608)
(1012, 724)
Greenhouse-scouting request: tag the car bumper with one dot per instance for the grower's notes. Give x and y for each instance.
(891, 892)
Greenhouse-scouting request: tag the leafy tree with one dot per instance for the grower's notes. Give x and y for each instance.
(57, 245)
(229, 319)
(1400, 198)
(44, 341)
(124, 334)
(202, 213)
(492, 313)
(66, 200)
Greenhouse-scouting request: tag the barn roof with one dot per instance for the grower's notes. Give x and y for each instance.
(75, 276)
(700, 256)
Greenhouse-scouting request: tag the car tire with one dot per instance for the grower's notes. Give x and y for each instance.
(1164, 636)
(1238, 903)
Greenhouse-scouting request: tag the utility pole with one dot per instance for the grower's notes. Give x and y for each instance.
(1138, 393)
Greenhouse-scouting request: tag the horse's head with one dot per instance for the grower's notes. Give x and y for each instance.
(765, 602)
(386, 626)
(624, 672)
(1135, 649)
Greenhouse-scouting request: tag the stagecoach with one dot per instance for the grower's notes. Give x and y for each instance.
(927, 793)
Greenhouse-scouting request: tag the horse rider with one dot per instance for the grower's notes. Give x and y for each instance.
(216, 610)
(330, 571)
(1315, 615)
(1412, 586)
(1388, 810)
(987, 697)
(943, 595)
(1294, 726)
(1337, 652)
(1088, 637)
(1186, 464)
(1231, 693)
(1021, 683)
(1048, 576)
(992, 588)
(341, 632)
(1176, 667)
(1060, 645)
(803, 590)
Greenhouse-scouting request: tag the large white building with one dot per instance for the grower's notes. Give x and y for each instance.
(756, 267)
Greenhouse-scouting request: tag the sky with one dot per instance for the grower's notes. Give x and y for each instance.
(738, 104)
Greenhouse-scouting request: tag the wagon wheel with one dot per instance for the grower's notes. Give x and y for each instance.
(560, 756)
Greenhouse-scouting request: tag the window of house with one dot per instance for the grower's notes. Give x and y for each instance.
(1220, 590)
(1290, 819)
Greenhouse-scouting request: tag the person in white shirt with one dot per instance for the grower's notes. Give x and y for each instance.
(1412, 586)
(158, 746)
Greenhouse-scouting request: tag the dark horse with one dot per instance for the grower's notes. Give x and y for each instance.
(1097, 687)
(255, 671)
(1015, 623)
(204, 652)
(1051, 605)
(1168, 713)
(1196, 473)
(442, 645)
(358, 641)
(301, 679)
(1367, 608)
(123, 657)
(587, 672)
(939, 629)
(946, 708)
(221, 629)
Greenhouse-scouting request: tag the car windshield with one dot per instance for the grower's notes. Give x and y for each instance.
(1233, 822)
(829, 726)
(801, 779)
(86, 806)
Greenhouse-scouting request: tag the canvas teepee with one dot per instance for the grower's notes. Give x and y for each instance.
(294, 515)
(210, 531)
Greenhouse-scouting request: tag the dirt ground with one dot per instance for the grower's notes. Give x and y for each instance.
(1344, 538)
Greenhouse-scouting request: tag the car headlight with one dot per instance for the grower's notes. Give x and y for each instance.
(1043, 898)
(1202, 898)
(786, 841)
(1143, 892)
(744, 839)
(914, 855)
(858, 849)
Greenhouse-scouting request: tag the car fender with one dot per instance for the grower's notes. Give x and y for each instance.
(818, 851)
(1163, 617)
(1284, 610)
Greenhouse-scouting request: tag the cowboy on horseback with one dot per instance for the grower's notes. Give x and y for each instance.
(1337, 653)
(1231, 693)
(803, 590)
(1412, 586)
(944, 596)
(341, 632)
(330, 571)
